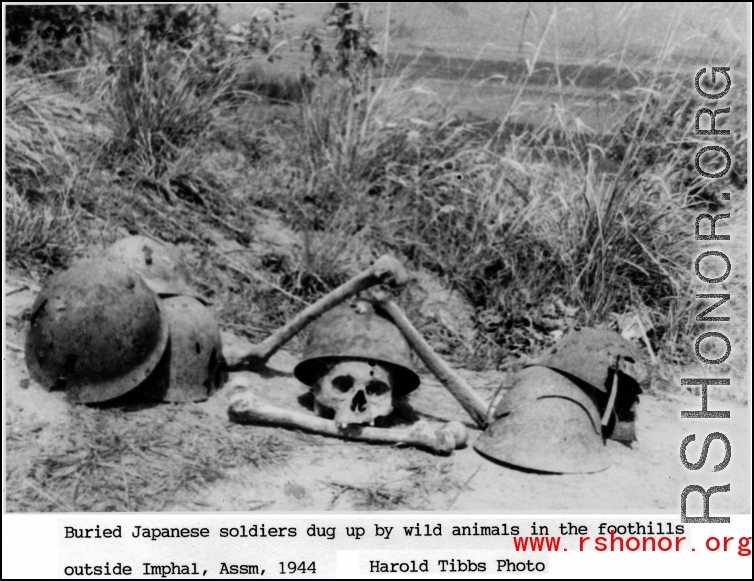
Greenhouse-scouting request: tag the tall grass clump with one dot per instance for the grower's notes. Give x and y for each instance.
(656, 136)
(169, 70)
(543, 224)
(161, 103)
(42, 233)
(42, 134)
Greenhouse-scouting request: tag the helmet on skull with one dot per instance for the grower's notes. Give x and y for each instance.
(354, 331)
(545, 423)
(97, 330)
(160, 264)
(191, 368)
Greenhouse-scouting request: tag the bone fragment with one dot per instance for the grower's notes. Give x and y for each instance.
(386, 270)
(247, 408)
(471, 401)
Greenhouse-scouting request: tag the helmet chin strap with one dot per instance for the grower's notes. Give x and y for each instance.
(613, 394)
(495, 401)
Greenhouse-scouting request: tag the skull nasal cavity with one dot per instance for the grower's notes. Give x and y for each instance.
(359, 401)
(343, 383)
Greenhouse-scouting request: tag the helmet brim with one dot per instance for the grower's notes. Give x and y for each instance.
(553, 435)
(308, 372)
(165, 289)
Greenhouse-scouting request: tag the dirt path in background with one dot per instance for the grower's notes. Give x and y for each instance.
(329, 474)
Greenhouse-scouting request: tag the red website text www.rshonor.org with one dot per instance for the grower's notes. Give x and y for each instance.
(618, 543)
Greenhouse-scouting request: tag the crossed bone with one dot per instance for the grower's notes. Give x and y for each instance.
(246, 408)
(470, 400)
(386, 270)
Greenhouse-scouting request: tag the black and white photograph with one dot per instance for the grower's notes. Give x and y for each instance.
(431, 257)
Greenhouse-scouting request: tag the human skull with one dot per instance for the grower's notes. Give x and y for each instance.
(354, 392)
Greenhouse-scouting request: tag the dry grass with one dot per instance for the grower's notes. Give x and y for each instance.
(411, 485)
(131, 460)
(543, 223)
(487, 217)
(44, 234)
(46, 142)
(163, 99)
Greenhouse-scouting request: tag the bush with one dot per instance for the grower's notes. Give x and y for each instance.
(50, 23)
(170, 68)
(355, 49)
(162, 100)
(47, 38)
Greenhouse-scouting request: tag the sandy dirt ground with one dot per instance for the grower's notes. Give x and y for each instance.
(323, 473)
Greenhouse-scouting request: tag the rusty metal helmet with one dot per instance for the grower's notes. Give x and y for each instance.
(160, 264)
(590, 355)
(545, 423)
(355, 331)
(593, 359)
(97, 330)
(191, 369)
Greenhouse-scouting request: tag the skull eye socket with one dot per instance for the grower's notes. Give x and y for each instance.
(343, 383)
(376, 387)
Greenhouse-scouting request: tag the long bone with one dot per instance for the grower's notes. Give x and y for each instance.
(470, 400)
(247, 408)
(385, 270)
